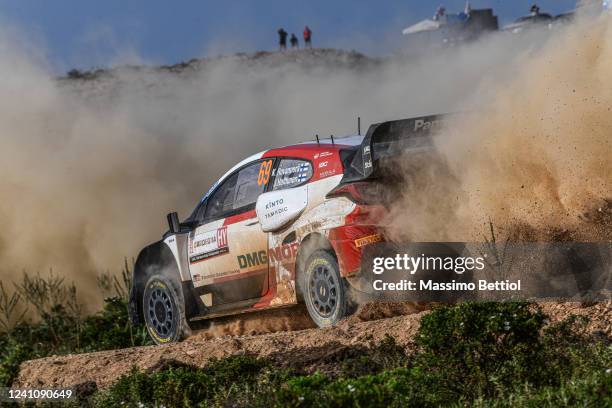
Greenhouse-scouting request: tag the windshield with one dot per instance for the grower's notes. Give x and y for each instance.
(196, 210)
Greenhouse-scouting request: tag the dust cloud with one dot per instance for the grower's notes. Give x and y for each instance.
(264, 321)
(534, 154)
(90, 167)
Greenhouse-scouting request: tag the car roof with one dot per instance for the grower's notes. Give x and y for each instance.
(292, 150)
(351, 140)
(323, 144)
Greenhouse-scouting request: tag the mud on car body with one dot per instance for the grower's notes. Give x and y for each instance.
(283, 226)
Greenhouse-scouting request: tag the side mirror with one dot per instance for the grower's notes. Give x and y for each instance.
(173, 222)
(277, 209)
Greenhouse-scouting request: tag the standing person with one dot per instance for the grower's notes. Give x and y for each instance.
(282, 39)
(294, 41)
(307, 37)
(440, 13)
(465, 14)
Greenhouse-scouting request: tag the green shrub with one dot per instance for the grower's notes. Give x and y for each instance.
(592, 390)
(392, 388)
(482, 354)
(233, 379)
(384, 356)
(13, 353)
(111, 329)
(58, 325)
(59, 332)
(481, 348)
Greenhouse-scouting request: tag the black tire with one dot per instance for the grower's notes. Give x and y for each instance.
(325, 292)
(164, 310)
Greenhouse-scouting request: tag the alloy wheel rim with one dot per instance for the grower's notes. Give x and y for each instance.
(161, 312)
(324, 290)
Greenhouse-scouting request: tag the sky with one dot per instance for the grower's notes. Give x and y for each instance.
(88, 33)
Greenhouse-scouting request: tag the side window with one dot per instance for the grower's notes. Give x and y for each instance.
(239, 190)
(292, 173)
(222, 200)
(251, 183)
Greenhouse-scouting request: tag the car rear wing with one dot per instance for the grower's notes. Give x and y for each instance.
(388, 139)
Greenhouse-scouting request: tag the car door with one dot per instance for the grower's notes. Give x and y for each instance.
(228, 251)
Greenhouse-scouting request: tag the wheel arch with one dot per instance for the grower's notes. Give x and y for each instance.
(309, 244)
(156, 258)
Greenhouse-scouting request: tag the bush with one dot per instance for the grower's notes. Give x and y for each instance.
(229, 381)
(58, 332)
(384, 356)
(592, 390)
(488, 346)
(482, 354)
(59, 326)
(392, 388)
(111, 329)
(14, 352)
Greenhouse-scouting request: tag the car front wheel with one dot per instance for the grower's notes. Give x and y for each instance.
(163, 310)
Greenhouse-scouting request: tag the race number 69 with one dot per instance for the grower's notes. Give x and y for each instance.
(264, 172)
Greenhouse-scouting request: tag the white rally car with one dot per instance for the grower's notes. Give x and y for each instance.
(283, 226)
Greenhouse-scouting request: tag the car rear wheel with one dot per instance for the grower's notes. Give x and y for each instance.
(324, 290)
(164, 311)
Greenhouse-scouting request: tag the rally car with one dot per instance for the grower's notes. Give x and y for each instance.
(283, 226)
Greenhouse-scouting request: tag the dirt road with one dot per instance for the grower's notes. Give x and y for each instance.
(311, 349)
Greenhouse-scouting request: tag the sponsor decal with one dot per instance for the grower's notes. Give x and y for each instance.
(425, 125)
(252, 259)
(323, 164)
(208, 244)
(285, 252)
(327, 173)
(203, 257)
(367, 157)
(222, 274)
(275, 207)
(207, 299)
(275, 203)
(209, 278)
(312, 226)
(322, 154)
(222, 237)
(370, 239)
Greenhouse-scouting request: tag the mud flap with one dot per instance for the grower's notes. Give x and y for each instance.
(133, 307)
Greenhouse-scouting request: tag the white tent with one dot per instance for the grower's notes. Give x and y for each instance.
(425, 25)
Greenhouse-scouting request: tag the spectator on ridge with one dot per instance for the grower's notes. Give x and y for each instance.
(282, 39)
(307, 37)
(440, 13)
(294, 41)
